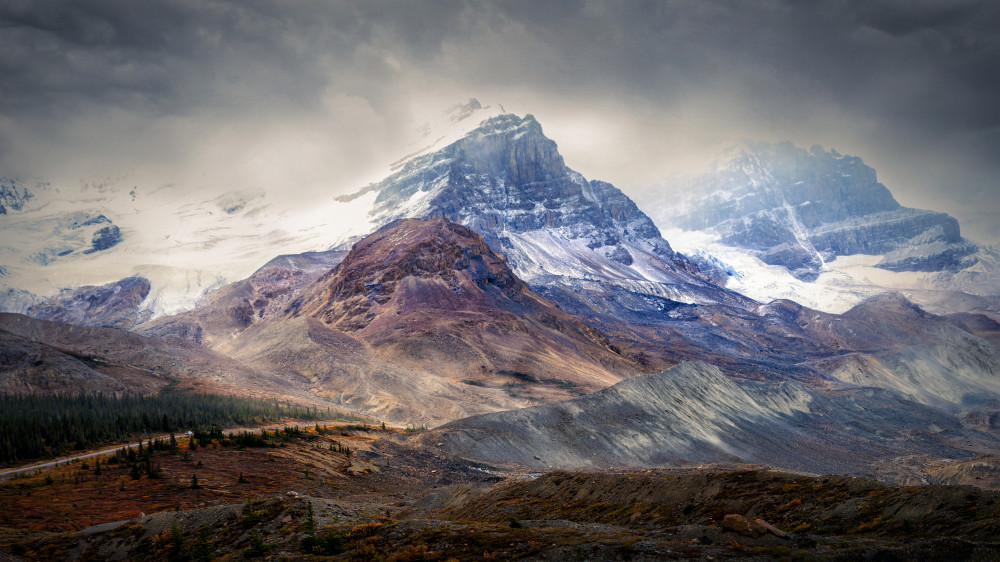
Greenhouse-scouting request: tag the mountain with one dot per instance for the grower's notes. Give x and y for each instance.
(433, 294)
(496, 278)
(507, 181)
(777, 221)
(580, 243)
(892, 343)
(187, 236)
(115, 305)
(567, 238)
(229, 310)
(421, 322)
(800, 209)
(693, 414)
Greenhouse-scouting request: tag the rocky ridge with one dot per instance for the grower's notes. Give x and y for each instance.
(694, 414)
(115, 305)
(49, 356)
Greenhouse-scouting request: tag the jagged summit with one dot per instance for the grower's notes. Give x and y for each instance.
(507, 181)
(507, 176)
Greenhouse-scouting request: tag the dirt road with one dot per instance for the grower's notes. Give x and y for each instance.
(5, 474)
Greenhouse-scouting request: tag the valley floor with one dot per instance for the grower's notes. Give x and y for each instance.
(363, 493)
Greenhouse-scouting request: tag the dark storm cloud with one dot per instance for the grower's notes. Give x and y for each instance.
(162, 57)
(930, 64)
(914, 75)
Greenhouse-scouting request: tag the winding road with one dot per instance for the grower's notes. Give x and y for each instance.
(5, 474)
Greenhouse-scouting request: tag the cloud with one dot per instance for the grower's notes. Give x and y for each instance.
(325, 93)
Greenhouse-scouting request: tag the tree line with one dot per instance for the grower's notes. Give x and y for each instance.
(33, 426)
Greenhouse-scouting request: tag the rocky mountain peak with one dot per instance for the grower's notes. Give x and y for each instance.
(506, 175)
(801, 208)
(512, 148)
(829, 186)
(507, 181)
(369, 275)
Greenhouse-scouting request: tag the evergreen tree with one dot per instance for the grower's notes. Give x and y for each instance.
(203, 545)
(34, 426)
(176, 542)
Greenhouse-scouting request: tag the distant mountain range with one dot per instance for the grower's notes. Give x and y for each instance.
(486, 276)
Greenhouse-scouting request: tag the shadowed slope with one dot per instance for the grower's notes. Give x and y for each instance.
(109, 359)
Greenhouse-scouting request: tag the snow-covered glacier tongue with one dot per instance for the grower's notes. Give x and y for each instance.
(560, 232)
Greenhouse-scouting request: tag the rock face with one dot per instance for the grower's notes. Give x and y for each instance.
(115, 305)
(798, 208)
(106, 237)
(507, 176)
(507, 181)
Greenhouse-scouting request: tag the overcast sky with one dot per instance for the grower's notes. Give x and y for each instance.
(317, 97)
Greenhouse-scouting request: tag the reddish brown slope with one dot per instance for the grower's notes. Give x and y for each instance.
(432, 295)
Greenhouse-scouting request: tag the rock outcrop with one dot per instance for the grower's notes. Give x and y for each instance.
(13, 195)
(115, 305)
